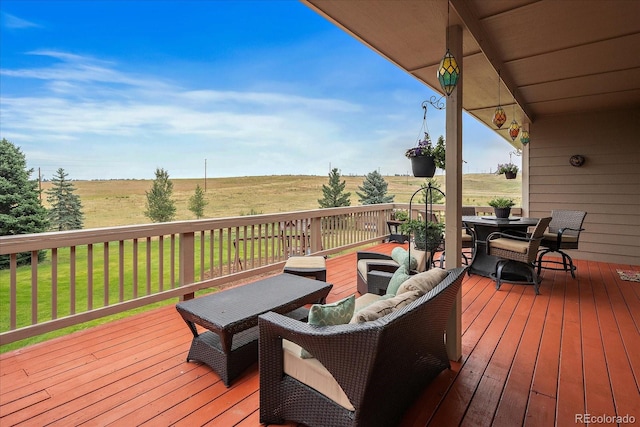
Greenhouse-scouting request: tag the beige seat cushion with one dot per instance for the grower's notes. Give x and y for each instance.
(313, 373)
(565, 237)
(384, 307)
(420, 256)
(423, 282)
(306, 262)
(365, 300)
(362, 264)
(510, 245)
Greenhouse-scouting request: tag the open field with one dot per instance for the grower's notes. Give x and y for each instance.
(122, 202)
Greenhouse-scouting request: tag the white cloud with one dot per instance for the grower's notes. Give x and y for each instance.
(98, 121)
(14, 23)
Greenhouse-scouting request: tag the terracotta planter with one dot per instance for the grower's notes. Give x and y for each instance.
(511, 175)
(502, 212)
(423, 166)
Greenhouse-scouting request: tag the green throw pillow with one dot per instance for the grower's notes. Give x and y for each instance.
(336, 313)
(398, 278)
(399, 255)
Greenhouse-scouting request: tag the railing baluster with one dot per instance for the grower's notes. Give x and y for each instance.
(72, 280)
(89, 276)
(135, 268)
(105, 267)
(13, 284)
(34, 287)
(121, 270)
(161, 263)
(173, 261)
(148, 266)
(54, 283)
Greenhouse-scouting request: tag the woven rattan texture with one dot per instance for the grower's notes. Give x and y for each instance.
(382, 365)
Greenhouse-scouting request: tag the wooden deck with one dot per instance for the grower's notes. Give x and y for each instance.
(527, 360)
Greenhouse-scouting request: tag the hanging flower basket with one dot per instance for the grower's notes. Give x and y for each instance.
(509, 170)
(423, 166)
(425, 157)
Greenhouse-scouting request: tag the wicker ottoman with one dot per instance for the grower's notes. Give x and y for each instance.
(307, 266)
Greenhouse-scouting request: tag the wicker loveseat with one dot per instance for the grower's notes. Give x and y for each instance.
(381, 366)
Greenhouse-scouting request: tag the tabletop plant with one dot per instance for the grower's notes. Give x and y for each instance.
(502, 206)
(401, 215)
(501, 202)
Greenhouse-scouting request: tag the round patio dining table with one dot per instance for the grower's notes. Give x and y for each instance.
(484, 264)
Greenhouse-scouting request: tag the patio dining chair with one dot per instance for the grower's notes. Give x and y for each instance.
(518, 251)
(564, 233)
(468, 240)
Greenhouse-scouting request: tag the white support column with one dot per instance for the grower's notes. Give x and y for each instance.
(453, 211)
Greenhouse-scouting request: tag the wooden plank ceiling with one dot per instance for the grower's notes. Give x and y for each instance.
(554, 57)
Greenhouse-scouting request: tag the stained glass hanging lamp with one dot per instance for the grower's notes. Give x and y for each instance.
(499, 117)
(449, 71)
(514, 127)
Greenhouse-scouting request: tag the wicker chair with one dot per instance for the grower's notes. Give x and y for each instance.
(468, 240)
(382, 365)
(521, 249)
(564, 233)
(374, 271)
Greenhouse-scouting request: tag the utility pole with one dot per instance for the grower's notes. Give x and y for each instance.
(205, 175)
(40, 184)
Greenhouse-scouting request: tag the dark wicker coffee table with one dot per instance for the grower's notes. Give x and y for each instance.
(231, 316)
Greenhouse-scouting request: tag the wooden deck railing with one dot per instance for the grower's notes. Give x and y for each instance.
(88, 274)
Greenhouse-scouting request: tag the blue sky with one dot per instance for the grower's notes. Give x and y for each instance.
(116, 89)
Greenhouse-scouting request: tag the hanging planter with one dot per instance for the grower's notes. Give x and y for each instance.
(425, 158)
(423, 166)
(509, 170)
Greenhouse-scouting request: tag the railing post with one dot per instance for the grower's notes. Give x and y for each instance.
(316, 235)
(382, 223)
(187, 259)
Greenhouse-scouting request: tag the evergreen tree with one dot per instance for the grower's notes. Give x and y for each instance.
(436, 196)
(66, 208)
(160, 207)
(197, 202)
(21, 211)
(334, 195)
(374, 190)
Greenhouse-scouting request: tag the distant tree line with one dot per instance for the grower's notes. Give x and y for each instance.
(22, 212)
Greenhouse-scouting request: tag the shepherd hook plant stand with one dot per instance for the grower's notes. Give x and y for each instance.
(428, 213)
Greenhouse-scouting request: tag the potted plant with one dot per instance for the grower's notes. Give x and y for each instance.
(427, 236)
(509, 170)
(400, 215)
(502, 206)
(425, 157)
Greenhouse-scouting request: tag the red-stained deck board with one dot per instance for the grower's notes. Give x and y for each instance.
(527, 360)
(622, 377)
(598, 397)
(513, 405)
